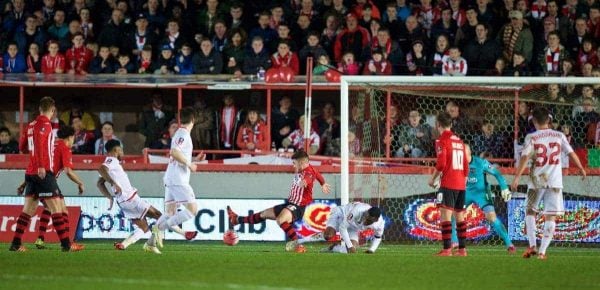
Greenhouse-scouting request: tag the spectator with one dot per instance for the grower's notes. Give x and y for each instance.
(394, 17)
(48, 11)
(353, 144)
(283, 34)
(34, 59)
(219, 35)
(145, 64)
(378, 64)
(263, 30)
(178, 13)
(295, 140)
(234, 51)
(519, 66)
(367, 21)
(553, 55)
(252, 134)
(499, 68)
(360, 6)
(155, 118)
(440, 54)
(466, 33)
(140, 37)
(353, 38)
(485, 14)
(53, 62)
(124, 65)
(207, 17)
(73, 28)
(414, 139)
(307, 8)
(458, 13)
(312, 49)
(576, 36)
(285, 58)
(202, 132)
(59, 29)
(229, 117)
(183, 60)
(113, 33)
(165, 61)
(156, 17)
(83, 139)
(454, 65)
(348, 65)
(567, 68)
(283, 120)
(323, 65)
(583, 120)
(328, 128)
(516, 37)
(587, 54)
(390, 48)
(104, 63)
(256, 58)
(488, 141)
(559, 107)
(417, 60)
(87, 25)
(107, 135)
(301, 30)
(236, 17)
(427, 15)
(587, 91)
(123, 5)
(78, 57)
(338, 8)
(13, 60)
(445, 25)
(461, 125)
(482, 53)
(330, 32)
(525, 124)
(14, 18)
(207, 60)
(30, 33)
(164, 142)
(173, 37)
(7, 144)
(77, 111)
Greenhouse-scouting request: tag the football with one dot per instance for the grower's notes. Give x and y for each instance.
(230, 238)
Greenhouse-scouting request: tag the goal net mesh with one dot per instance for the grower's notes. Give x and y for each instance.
(391, 136)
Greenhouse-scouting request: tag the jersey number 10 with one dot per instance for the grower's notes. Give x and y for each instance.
(457, 159)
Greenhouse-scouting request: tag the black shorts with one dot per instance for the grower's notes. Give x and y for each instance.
(451, 199)
(41, 188)
(297, 210)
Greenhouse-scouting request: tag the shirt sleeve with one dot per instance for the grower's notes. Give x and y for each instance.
(566, 147)
(67, 158)
(491, 169)
(440, 150)
(527, 147)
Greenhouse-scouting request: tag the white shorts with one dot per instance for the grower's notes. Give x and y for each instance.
(135, 208)
(335, 220)
(179, 194)
(552, 198)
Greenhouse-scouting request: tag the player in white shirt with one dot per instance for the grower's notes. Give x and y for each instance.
(133, 207)
(177, 178)
(350, 220)
(544, 147)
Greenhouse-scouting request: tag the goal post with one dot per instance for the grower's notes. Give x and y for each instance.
(392, 172)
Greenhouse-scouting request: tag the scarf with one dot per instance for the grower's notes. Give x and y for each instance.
(282, 60)
(439, 58)
(10, 66)
(538, 11)
(31, 64)
(510, 40)
(227, 122)
(552, 60)
(256, 133)
(53, 62)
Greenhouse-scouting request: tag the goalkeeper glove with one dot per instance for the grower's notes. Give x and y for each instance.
(506, 195)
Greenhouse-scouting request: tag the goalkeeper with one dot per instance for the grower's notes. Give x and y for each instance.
(478, 192)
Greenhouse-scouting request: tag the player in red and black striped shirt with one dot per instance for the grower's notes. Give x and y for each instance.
(452, 164)
(300, 195)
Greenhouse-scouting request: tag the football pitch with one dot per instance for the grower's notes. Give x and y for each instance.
(253, 265)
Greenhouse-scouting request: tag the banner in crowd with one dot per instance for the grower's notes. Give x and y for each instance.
(580, 223)
(97, 222)
(8, 223)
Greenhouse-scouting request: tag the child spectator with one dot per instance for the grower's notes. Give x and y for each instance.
(322, 65)
(53, 62)
(165, 61)
(454, 65)
(296, 139)
(7, 144)
(78, 57)
(347, 66)
(587, 53)
(252, 135)
(104, 63)
(164, 142)
(183, 60)
(107, 135)
(87, 25)
(283, 34)
(442, 46)
(285, 58)
(229, 115)
(263, 30)
(124, 65)
(208, 60)
(519, 66)
(146, 65)
(312, 48)
(378, 65)
(83, 139)
(499, 68)
(34, 59)
(13, 61)
(416, 59)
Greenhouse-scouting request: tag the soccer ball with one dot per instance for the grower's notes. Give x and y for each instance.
(230, 238)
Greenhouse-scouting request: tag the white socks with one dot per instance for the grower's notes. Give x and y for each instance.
(178, 230)
(530, 230)
(174, 220)
(134, 237)
(318, 237)
(549, 227)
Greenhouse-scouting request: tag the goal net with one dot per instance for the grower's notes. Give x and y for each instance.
(388, 135)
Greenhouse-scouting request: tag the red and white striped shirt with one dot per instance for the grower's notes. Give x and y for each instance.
(454, 68)
(300, 194)
(297, 137)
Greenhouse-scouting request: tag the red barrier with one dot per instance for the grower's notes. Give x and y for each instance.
(8, 220)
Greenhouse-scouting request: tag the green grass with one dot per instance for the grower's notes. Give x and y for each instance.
(212, 265)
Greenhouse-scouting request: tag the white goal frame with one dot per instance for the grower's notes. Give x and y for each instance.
(347, 81)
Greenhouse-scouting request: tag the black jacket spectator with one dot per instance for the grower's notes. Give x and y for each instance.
(481, 56)
(208, 64)
(113, 34)
(100, 66)
(254, 61)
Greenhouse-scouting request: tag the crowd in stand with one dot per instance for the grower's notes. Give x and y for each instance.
(415, 37)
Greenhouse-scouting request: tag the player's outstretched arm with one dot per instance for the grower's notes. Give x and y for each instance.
(179, 157)
(75, 178)
(490, 169)
(577, 162)
(21, 188)
(346, 237)
(102, 187)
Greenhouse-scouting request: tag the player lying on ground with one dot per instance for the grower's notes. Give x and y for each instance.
(40, 179)
(349, 220)
(62, 163)
(293, 210)
(134, 208)
(478, 192)
(544, 147)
